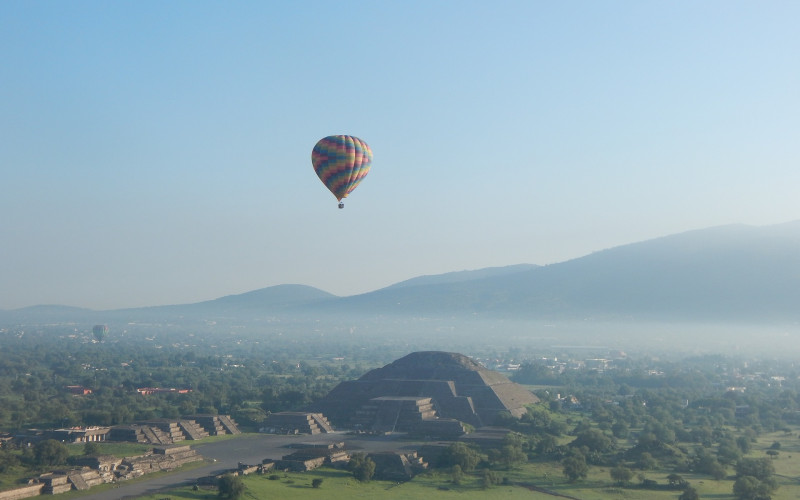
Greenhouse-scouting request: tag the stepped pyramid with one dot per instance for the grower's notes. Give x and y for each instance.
(457, 387)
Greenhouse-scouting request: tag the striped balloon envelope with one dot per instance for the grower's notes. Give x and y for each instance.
(341, 162)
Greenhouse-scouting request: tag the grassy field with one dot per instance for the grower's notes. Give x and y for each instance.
(544, 475)
(787, 463)
(338, 484)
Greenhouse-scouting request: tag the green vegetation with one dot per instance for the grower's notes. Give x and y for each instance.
(697, 427)
(362, 467)
(230, 487)
(527, 480)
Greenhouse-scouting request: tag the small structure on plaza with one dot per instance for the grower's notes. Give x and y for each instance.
(79, 434)
(295, 422)
(310, 456)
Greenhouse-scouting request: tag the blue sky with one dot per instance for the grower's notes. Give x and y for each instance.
(159, 152)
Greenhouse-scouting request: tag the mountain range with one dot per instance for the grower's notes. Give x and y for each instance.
(728, 273)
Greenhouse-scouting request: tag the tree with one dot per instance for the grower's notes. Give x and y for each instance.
(230, 487)
(362, 467)
(750, 488)
(574, 467)
(91, 449)
(462, 455)
(594, 440)
(620, 430)
(50, 452)
(508, 456)
(546, 445)
(676, 480)
(539, 418)
(706, 463)
(647, 462)
(689, 494)
(744, 444)
(728, 451)
(7, 460)
(759, 468)
(716, 470)
(457, 474)
(621, 474)
(754, 479)
(316, 482)
(490, 478)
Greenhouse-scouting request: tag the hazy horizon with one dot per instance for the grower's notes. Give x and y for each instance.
(159, 154)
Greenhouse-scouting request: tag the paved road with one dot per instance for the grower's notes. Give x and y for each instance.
(248, 449)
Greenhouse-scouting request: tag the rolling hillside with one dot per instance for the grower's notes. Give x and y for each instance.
(727, 273)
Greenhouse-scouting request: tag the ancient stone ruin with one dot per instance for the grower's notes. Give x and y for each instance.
(428, 392)
(93, 471)
(171, 431)
(293, 422)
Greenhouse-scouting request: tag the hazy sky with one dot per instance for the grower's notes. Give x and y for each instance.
(159, 152)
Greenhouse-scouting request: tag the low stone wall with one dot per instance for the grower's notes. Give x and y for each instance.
(299, 465)
(24, 492)
(161, 458)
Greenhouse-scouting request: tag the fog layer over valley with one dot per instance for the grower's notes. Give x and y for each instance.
(725, 289)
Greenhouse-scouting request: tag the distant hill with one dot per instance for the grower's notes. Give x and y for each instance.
(272, 298)
(461, 276)
(726, 273)
(45, 314)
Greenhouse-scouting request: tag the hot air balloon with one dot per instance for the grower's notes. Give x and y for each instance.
(100, 332)
(341, 162)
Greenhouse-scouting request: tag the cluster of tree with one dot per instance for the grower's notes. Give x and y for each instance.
(690, 424)
(33, 384)
(685, 420)
(638, 417)
(230, 487)
(42, 456)
(362, 467)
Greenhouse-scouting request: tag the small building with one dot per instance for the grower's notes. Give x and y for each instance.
(80, 434)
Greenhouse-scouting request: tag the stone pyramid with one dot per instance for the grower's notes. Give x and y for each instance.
(459, 388)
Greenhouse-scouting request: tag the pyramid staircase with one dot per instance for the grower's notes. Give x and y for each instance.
(192, 430)
(229, 425)
(77, 481)
(322, 422)
(154, 435)
(212, 424)
(390, 414)
(168, 431)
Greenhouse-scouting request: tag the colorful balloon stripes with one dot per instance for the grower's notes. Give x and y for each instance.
(341, 162)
